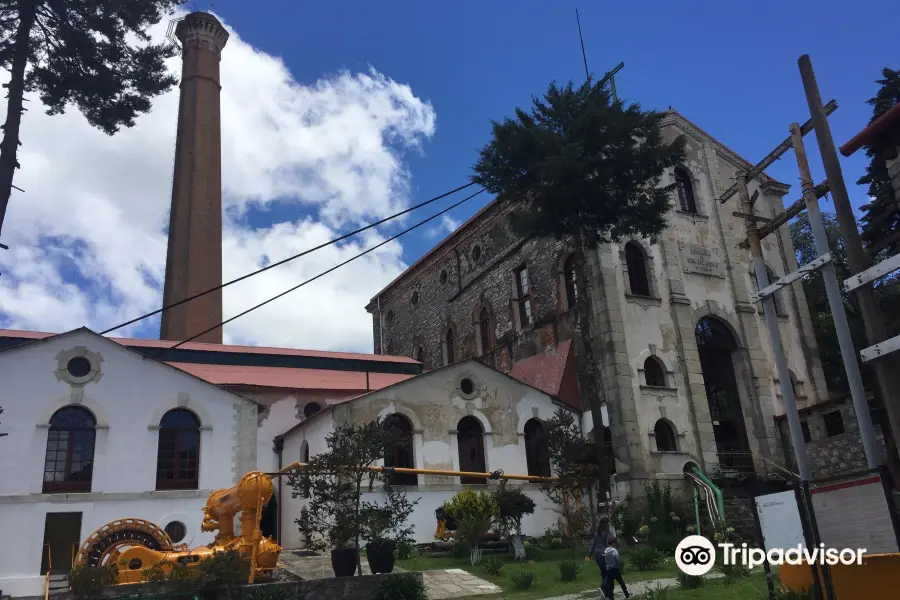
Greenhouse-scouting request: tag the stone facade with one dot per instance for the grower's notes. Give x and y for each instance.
(833, 441)
(695, 271)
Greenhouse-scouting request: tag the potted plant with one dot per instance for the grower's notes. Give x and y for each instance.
(385, 526)
(333, 481)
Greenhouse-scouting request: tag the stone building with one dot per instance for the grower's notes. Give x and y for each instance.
(684, 358)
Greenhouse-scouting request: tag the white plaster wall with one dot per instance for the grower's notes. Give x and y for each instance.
(21, 544)
(424, 522)
(128, 402)
(313, 433)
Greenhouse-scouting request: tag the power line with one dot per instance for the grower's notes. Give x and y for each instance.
(323, 273)
(286, 260)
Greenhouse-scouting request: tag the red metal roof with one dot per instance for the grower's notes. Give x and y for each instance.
(290, 378)
(141, 343)
(874, 130)
(553, 373)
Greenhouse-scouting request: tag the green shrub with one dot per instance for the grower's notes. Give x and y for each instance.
(522, 579)
(461, 549)
(224, 570)
(405, 550)
(733, 572)
(534, 553)
(154, 574)
(493, 565)
(401, 586)
(568, 570)
(645, 559)
(656, 593)
(270, 592)
(689, 582)
(87, 582)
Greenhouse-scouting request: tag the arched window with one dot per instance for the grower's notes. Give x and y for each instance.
(654, 374)
(665, 437)
(419, 354)
(772, 277)
(178, 457)
(686, 201)
(483, 330)
(69, 462)
(401, 454)
(610, 453)
(636, 261)
(449, 347)
(470, 438)
(311, 409)
(571, 282)
(536, 449)
(795, 385)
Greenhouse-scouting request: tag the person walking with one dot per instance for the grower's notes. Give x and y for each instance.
(613, 573)
(598, 547)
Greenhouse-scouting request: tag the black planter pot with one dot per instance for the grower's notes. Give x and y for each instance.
(343, 561)
(380, 555)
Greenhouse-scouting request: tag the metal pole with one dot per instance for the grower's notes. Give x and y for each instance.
(784, 374)
(836, 303)
(886, 370)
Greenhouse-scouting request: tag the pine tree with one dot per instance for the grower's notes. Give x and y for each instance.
(581, 167)
(881, 219)
(79, 53)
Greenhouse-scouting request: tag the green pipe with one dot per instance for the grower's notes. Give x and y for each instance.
(720, 502)
(696, 508)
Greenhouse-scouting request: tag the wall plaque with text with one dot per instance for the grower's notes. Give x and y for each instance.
(702, 260)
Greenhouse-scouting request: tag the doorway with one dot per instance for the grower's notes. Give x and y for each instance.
(717, 347)
(268, 521)
(62, 535)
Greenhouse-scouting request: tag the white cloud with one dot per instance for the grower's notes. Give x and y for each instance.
(95, 207)
(446, 226)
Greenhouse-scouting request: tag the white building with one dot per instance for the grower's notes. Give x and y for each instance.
(98, 432)
(462, 417)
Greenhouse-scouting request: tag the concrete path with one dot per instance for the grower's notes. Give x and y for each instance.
(637, 589)
(440, 585)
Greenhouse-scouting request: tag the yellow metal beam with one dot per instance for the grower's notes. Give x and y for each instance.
(497, 475)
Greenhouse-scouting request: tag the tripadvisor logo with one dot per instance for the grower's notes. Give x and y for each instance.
(696, 555)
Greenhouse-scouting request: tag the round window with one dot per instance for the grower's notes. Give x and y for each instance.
(467, 386)
(176, 531)
(79, 367)
(415, 298)
(444, 277)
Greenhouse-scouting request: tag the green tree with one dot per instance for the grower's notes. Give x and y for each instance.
(79, 53)
(881, 220)
(581, 167)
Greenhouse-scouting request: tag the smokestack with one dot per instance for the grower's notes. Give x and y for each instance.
(194, 257)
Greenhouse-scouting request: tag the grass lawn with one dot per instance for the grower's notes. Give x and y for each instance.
(751, 588)
(546, 575)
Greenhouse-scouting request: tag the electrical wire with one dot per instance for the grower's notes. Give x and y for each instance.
(326, 272)
(286, 260)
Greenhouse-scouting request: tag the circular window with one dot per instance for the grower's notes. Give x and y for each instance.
(444, 277)
(79, 367)
(415, 298)
(476, 253)
(176, 531)
(467, 386)
(389, 318)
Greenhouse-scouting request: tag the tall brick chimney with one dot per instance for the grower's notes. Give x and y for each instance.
(194, 257)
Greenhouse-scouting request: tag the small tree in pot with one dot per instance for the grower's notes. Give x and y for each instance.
(334, 481)
(385, 526)
(474, 513)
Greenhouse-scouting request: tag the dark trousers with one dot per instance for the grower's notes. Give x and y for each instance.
(601, 562)
(610, 578)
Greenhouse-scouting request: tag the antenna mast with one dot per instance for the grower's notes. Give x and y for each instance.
(587, 73)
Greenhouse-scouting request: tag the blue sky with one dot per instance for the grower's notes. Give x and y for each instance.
(341, 113)
(735, 76)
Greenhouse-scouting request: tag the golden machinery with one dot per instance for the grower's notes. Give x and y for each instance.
(134, 544)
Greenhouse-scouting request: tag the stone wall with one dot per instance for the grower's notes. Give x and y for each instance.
(831, 455)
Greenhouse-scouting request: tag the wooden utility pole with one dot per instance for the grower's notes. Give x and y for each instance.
(887, 369)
